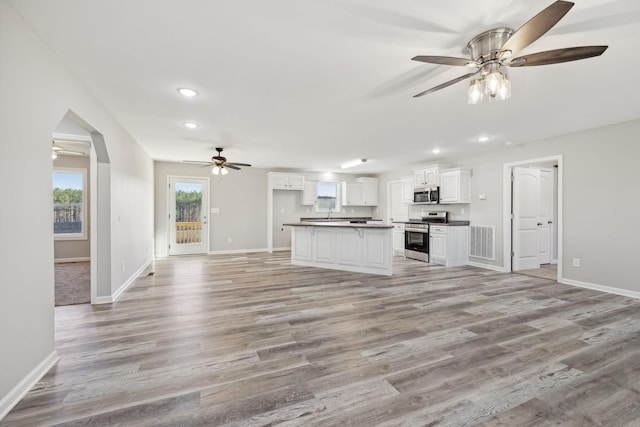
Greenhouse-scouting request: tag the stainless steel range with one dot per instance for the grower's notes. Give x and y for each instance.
(416, 235)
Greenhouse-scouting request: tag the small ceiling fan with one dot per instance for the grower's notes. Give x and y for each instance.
(493, 50)
(57, 150)
(219, 163)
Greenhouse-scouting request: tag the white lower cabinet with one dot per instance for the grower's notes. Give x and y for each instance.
(449, 245)
(398, 239)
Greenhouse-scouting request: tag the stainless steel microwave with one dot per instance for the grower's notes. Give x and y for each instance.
(426, 195)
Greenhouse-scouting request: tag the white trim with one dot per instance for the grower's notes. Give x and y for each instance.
(237, 251)
(281, 249)
(554, 261)
(79, 259)
(487, 266)
(114, 296)
(72, 137)
(601, 288)
(506, 208)
(31, 379)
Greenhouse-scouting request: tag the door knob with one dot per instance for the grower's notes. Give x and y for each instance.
(549, 222)
(539, 223)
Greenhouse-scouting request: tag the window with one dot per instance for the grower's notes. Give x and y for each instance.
(328, 197)
(69, 204)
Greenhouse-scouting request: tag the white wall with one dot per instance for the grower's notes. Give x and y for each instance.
(241, 197)
(37, 91)
(601, 200)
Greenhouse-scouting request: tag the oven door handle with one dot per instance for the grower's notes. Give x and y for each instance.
(417, 230)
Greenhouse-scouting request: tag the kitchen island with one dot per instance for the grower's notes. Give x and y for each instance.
(362, 248)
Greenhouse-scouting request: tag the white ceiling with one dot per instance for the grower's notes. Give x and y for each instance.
(311, 84)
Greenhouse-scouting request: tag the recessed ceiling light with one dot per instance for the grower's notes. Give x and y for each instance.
(190, 125)
(188, 92)
(353, 163)
(483, 138)
(435, 151)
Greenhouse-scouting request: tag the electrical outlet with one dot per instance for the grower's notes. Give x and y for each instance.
(461, 210)
(228, 239)
(576, 262)
(122, 265)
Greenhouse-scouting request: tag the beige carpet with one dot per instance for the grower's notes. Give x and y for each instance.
(73, 283)
(546, 271)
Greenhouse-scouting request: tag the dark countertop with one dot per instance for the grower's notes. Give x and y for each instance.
(339, 218)
(344, 224)
(450, 223)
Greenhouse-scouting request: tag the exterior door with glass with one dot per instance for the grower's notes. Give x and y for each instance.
(188, 216)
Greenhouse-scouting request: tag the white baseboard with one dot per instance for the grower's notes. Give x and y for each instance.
(281, 249)
(125, 285)
(80, 259)
(554, 261)
(487, 266)
(601, 288)
(22, 388)
(238, 251)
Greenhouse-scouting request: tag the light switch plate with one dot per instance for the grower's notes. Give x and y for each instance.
(215, 210)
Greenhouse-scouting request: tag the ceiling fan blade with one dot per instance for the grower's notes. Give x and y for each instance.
(199, 163)
(231, 166)
(446, 84)
(445, 60)
(238, 164)
(534, 28)
(73, 153)
(558, 55)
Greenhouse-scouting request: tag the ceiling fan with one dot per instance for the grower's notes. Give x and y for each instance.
(56, 150)
(220, 164)
(494, 50)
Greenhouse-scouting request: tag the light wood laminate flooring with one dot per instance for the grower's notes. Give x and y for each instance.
(253, 341)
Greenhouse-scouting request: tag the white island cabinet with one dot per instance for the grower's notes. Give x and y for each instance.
(362, 248)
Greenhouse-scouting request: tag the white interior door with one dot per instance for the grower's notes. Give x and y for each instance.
(526, 200)
(188, 216)
(545, 216)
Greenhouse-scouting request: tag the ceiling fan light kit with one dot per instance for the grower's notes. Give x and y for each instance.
(492, 52)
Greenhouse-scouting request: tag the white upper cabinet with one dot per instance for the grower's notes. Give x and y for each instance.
(361, 192)
(286, 181)
(455, 186)
(429, 176)
(310, 193)
(352, 194)
(369, 191)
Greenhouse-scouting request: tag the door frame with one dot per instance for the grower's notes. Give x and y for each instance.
(506, 209)
(206, 209)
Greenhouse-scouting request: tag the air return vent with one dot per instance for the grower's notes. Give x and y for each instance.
(482, 241)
